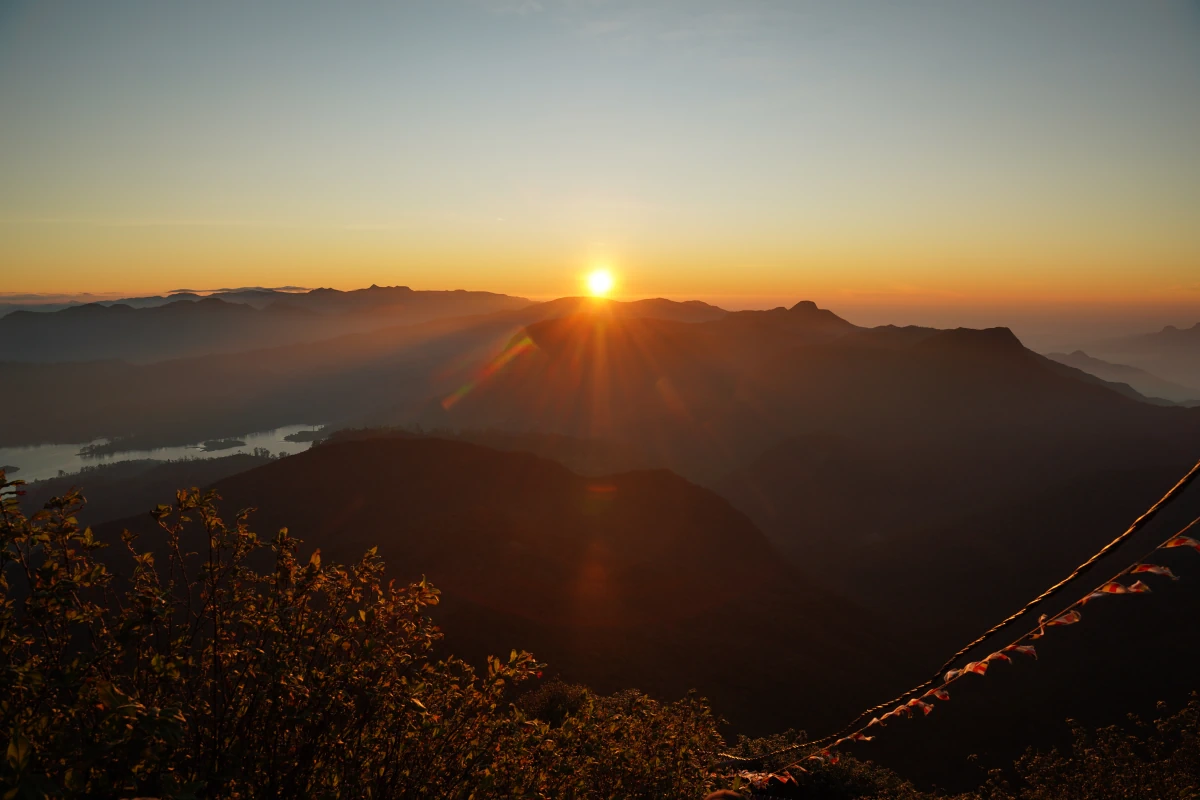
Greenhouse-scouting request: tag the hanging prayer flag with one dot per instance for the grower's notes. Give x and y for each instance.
(1023, 649)
(764, 780)
(1154, 569)
(1139, 588)
(926, 707)
(1184, 541)
(1068, 618)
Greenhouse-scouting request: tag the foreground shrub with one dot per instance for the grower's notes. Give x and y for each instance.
(239, 671)
(1139, 761)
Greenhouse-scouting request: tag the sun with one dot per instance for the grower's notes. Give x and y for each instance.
(600, 282)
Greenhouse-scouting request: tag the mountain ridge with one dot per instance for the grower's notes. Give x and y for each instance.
(1142, 381)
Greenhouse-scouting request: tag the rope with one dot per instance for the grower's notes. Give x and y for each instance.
(1137, 525)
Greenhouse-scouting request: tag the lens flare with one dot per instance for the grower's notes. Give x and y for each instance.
(600, 282)
(523, 345)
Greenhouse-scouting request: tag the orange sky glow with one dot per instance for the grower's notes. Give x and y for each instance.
(748, 154)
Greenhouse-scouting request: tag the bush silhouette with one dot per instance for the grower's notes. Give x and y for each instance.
(238, 670)
(207, 674)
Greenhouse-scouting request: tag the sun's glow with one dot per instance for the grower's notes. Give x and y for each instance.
(600, 282)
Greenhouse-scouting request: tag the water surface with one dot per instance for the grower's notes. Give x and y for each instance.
(47, 460)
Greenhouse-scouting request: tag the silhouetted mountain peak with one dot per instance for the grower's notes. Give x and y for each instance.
(810, 312)
(804, 321)
(1081, 360)
(1171, 330)
(374, 287)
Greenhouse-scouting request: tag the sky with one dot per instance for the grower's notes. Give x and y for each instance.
(956, 159)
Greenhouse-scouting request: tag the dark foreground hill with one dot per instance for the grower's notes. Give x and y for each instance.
(645, 580)
(640, 579)
(129, 488)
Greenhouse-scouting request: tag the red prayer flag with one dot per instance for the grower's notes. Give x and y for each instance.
(926, 707)
(1068, 618)
(1154, 569)
(1184, 541)
(1023, 649)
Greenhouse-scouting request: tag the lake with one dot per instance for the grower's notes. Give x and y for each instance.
(45, 460)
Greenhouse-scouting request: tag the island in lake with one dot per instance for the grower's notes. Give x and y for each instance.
(213, 445)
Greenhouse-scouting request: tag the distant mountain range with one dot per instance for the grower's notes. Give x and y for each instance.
(1138, 379)
(57, 302)
(145, 330)
(721, 391)
(837, 440)
(348, 379)
(1172, 353)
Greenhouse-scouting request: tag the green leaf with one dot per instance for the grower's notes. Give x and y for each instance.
(115, 701)
(19, 751)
